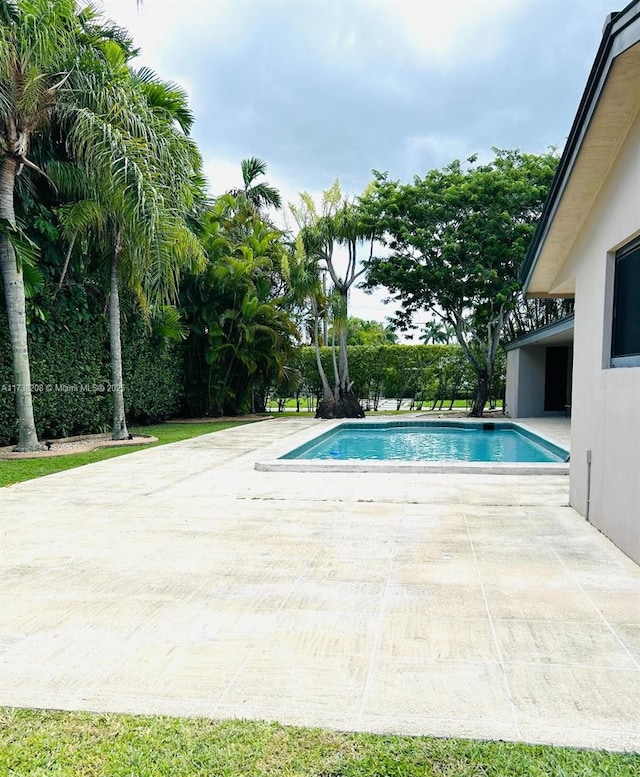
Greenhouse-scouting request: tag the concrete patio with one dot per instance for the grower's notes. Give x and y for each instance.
(179, 580)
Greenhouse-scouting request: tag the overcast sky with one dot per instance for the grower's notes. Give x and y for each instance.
(326, 88)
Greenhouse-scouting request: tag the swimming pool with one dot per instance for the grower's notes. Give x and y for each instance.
(417, 446)
(420, 441)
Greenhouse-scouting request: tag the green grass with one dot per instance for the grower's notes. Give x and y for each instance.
(288, 414)
(18, 470)
(272, 404)
(70, 744)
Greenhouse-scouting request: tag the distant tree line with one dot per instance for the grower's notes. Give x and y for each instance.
(429, 376)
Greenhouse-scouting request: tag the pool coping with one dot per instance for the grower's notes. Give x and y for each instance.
(276, 464)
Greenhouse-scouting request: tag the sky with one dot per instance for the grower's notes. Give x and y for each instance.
(321, 89)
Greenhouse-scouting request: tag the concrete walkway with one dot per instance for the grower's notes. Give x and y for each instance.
(178, 580)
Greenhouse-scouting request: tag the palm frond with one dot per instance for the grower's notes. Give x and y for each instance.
(32, 278)
(251, 169)
(166, 98)
(9, 12)
(264, 195)
(27, 252)
(81, 217)
(166, 322)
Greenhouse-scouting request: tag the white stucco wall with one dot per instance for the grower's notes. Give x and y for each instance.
(512, 387)
(526, 379)
(525, 382)
(606, 402)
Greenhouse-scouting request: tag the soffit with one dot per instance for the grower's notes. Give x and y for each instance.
(617, 108)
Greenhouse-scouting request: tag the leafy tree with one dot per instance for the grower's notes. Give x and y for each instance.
(457, 238)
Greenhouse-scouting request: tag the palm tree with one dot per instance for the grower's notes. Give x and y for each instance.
(137, 195)
(39, 42)
(241, 331)
(437, 332)
(307, 292)
(338, 224)
(257, 195)
(56, 68)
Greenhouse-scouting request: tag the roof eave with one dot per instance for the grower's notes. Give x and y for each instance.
(615, 25)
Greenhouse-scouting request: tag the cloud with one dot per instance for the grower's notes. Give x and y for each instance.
(451, 33)
(433, 150)
(337, 87)
(326, 88)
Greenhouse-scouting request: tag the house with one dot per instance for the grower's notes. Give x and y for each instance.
(587, 246)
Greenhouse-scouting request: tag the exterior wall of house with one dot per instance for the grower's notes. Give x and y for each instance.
(525, 382)
(526, 379)
(606, 401)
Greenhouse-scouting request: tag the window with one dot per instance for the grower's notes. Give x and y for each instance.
(625, 339)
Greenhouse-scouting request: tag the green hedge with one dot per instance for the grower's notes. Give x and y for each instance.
(8, 425)
(70, 370)
(429, 372)
(153, 375)
(69, 362)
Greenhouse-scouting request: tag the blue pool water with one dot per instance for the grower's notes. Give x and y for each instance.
(429, 441)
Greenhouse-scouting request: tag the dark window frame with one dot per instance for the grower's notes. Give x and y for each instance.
(619, 357)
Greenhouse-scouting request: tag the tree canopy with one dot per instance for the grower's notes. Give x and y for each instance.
(456, 238)
(362, 332)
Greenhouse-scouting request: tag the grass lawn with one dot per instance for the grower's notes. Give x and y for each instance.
(70, 744)
(26, 469)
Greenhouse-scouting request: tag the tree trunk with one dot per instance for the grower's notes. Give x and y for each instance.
(482, 395)
(65, 266)
(334, 361)
(342, 407)
(16, 313)
(343, 363)
(483, 368)
(341, 403)
(119, 431)
(325, 312)
(326, 389)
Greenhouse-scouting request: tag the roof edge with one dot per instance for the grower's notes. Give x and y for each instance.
(565, 324)
(615, 24)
